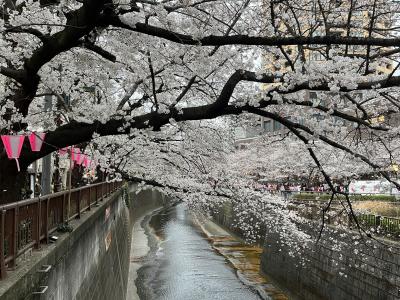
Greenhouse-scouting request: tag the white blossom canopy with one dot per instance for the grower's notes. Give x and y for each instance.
(157, 87)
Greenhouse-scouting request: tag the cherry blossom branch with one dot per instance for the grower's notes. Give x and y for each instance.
(215, 40)
(100, 51)
(293, 127)
(80, 23)
(156, 120)
(32, 31)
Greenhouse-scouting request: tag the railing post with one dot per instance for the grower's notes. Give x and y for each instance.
(97, 196)
(102, 191)
(47, 220)
(79, 203)
(15, 238)
(39, 221)
(90, 196)
(378, 221)
(63, 208)
(3, 271)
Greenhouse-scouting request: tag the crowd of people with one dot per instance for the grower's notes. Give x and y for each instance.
(296, 187)
(292, 187)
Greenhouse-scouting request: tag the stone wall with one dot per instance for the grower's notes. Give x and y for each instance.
(368, 270)
(92, 262)
(358, 269)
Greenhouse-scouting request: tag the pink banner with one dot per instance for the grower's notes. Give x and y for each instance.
(36, 141)
(13, 145)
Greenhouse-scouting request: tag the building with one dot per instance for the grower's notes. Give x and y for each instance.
(336, 23)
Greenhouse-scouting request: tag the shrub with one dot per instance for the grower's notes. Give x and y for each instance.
(326, 197)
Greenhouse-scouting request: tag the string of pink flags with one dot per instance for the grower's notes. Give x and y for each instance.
(13, 145)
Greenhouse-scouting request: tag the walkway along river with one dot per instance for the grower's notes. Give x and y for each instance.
(182, 264)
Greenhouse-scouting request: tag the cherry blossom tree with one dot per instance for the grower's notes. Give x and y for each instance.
(138, 79)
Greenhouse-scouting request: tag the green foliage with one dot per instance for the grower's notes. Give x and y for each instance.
(64, 227)
(385, 224)
(326, 197)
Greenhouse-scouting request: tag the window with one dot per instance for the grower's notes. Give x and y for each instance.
(267, 125)
(355, 49)
(357, 12)
(277, 126)
(335, 33)
(316, 56)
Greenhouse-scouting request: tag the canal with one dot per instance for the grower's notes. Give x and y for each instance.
(182, 264)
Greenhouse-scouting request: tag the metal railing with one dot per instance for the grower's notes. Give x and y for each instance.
(26, 224)
(381, 224)
(311, 195)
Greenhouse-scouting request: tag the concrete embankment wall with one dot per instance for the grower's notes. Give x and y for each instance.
(92, 262)
(368, 270)
(363, 270)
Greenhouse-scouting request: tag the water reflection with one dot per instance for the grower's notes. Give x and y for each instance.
(182, 264)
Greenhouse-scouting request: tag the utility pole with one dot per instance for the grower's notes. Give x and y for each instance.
(46, 161)
(32, 178)
(69, 182)
(57, 181)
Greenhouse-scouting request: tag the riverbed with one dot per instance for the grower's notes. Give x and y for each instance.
(181, 263)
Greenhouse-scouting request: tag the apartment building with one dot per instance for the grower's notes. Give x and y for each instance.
(333, 20)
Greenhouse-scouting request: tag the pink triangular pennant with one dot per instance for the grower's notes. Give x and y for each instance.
(13, 145)
(36, 141)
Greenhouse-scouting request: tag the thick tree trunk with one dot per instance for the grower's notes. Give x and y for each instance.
(12, 182)
(57, 175)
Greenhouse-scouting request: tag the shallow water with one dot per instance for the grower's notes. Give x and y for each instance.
(183, 265)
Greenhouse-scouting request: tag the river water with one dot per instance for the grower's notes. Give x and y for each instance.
(182, 265)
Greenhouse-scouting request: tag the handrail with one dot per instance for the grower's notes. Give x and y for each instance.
(27, 223)
(329, 192)
(44, 197)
